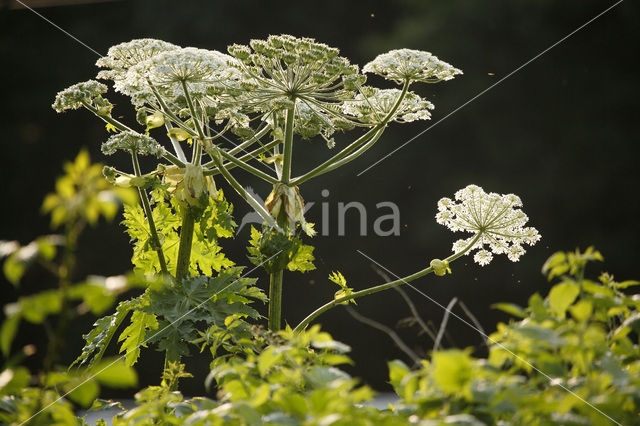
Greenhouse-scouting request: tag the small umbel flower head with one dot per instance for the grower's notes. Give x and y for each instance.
(496, 222)
(412, 65)
(190, 65)
(73, 97)
(284, 68)
(373, 105)
(132, 141)
(123, 56)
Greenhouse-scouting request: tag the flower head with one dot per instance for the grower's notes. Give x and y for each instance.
(74, 96)
(414, 65)
(496, 221)
(132, 141)
(373, 105)
(190, 65)
(283, 68)
(123, 56)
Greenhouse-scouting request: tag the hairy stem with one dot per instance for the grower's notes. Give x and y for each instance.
(144, 199)
(259, 208)
(288, 146)
(368, 138)
(336, 302)
(275, 300)
(186, 240)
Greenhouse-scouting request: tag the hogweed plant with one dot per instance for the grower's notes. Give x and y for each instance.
(248, 109)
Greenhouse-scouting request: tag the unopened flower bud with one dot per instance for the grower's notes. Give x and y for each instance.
(440, 267)
(154, 120)
(178, 134)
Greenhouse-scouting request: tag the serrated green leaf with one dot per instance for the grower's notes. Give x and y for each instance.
(99, 337)
(302, 259)
(134, 336)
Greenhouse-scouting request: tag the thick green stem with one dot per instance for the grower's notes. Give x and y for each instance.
(369, 138)
(247, 167)
(186, 240)
(275, 300)
(305, 322)
(259, 208)
(173, 159)
(248, 156)
(192, 109)
(288, 147)
(144, 199)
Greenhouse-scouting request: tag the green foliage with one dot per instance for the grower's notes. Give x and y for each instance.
(275, 251)
(100, 336)
(134, 336)
(339, 279)
(206, 256)
(83, 194)
(546, 368)
(50, 403)
(187, 308)
(287, 378)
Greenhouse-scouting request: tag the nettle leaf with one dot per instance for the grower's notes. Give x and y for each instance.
(99, 338)
(134, 336)
(452, 371)
(562, 296)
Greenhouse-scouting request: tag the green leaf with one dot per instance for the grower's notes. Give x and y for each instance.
(582, 310)
(37, 307)
(83, 393)
(302, 259)
(452, 371)
(397, 371)
(14, 380)
(115, 373)
(511, 309)
(134, 336)
(556, 265)
(8, 332)
(99, 337)
(562, 296)
(626, 284)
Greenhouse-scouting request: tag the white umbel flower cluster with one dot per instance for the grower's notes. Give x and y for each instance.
(72, 97)
(373, 105)
(413, 65)
(123, 56)
(132, 141)
(190, 64)
(495, 219)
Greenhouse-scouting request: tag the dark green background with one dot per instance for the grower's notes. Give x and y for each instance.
(561, 133)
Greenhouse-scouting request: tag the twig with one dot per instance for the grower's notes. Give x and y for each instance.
(475, 321)
(443, 325)
(390, 332)
(412, 307)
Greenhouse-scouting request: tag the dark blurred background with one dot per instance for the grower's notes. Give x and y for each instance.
(561, 133)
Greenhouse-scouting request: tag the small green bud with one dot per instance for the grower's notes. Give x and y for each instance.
(154, 120)
(178, 134)
(440, 267)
